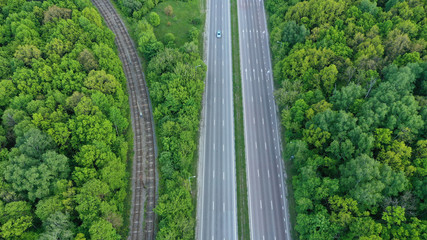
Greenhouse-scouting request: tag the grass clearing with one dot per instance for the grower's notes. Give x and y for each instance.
(242, 192)
(184, 18)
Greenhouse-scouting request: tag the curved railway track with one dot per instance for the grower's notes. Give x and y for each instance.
(144, 164)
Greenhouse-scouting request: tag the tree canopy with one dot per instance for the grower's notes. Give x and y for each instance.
(64, 121)
(352, 77)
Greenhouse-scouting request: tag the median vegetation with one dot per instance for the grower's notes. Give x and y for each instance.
(353, 102)
(64, 123)
(242, 190)
(167, 34)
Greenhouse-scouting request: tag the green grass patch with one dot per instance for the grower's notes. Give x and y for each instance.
(185, 16)
(242, 192)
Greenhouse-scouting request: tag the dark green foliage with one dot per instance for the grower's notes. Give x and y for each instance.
(293, 33)
(64, 118)
(58, 226)
(352, 78)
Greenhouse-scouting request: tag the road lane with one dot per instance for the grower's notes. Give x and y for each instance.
(216, 208)
(268, 213)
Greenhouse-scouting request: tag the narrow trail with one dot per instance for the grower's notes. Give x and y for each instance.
(144, 187)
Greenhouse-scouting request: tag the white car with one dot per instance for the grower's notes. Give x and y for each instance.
(218, 34)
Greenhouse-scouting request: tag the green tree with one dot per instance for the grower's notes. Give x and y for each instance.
(287, 94)
(26, 53)
(345, 98)
(93, 15)
(26, 81)
(15, 219)
(395, 218)
(86, 129)
(344, 210)
(95, 155)
(87, 60)
(58, 226)
(14, 229)
(319, 12)
(91, 204)
(60, 134)
(34, 143)
(103, 230)
(48, 206)
(316, 137)
(361, 178)
(114, 174)
(119, 122)
(316, 226)
(294, 118)
(7, 90)
(36, 177)
(175, 210)
(14, 210)
(294, 33)
(55, 13)
(131, 5)
(365, 228)
(101, 81)
(397, 156)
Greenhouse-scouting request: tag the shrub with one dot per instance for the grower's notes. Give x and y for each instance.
(169, 39)
(154, 19)
(169, 10)
(193, 34)
(196, 21)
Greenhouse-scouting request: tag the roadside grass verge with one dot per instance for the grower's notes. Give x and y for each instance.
(242, 192)
(194, 166)
(290, 172)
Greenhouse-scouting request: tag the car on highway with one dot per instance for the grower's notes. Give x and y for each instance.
(218, 34)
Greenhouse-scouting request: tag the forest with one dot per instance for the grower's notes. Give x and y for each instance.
(64, 126)
(175, 76)
(351, 87)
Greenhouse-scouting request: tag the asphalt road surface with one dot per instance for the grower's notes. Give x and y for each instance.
(268, 211)
(216, 210)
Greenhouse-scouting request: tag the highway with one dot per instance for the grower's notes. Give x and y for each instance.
(267, 203)
(216, 208)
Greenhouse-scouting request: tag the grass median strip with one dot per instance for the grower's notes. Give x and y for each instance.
(242, 192)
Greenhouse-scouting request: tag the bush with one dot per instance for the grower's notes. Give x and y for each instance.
(169, 39)
(130, 6)
(154, 19)
(168, 10)
(196, 21)
(193, 34)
